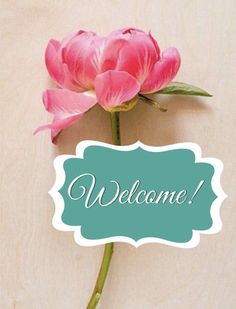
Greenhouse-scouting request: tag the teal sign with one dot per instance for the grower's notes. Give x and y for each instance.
(137, 194)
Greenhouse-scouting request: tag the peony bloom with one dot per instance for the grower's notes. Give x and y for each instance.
(110, 71)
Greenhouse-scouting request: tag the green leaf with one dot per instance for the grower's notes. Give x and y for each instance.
(184, 89)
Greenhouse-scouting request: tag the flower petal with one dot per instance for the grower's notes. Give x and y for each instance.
(114, 88)
(58, 70)
(68, 102)
(82, 55)
(155, 44)
(52, 62)
(138, 55)
(66, 106)
(57, 125)
(163, 72)
(111, 52)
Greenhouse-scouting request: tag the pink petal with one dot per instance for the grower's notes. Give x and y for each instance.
(69, 37)
(58, 70)
(126, 30)
(111, 52)
(68, 102)
(163, 72)
(114, 88)
(82, 55)
(138, 54)
(155, 44)
(66, 106)
(57, 125)
(53, 64)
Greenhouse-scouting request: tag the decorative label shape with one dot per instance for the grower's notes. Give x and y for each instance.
(137, 194)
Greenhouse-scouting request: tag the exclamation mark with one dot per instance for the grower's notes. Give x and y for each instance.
(196, 191)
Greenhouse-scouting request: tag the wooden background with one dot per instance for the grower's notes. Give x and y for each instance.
(42, 268)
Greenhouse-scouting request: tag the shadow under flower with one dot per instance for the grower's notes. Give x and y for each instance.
(144, 123)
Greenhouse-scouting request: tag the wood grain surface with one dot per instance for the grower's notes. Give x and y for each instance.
(42, 268)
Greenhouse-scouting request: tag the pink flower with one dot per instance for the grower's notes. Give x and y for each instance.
(109, 70)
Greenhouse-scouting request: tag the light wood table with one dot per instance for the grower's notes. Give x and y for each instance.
(42, 268)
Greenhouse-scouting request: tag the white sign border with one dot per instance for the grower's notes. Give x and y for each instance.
(79, 239)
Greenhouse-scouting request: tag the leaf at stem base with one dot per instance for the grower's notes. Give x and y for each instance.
(183, 89)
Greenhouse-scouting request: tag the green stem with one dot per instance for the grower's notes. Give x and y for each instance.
(115, 128)
(108, 251)
(97, 292)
